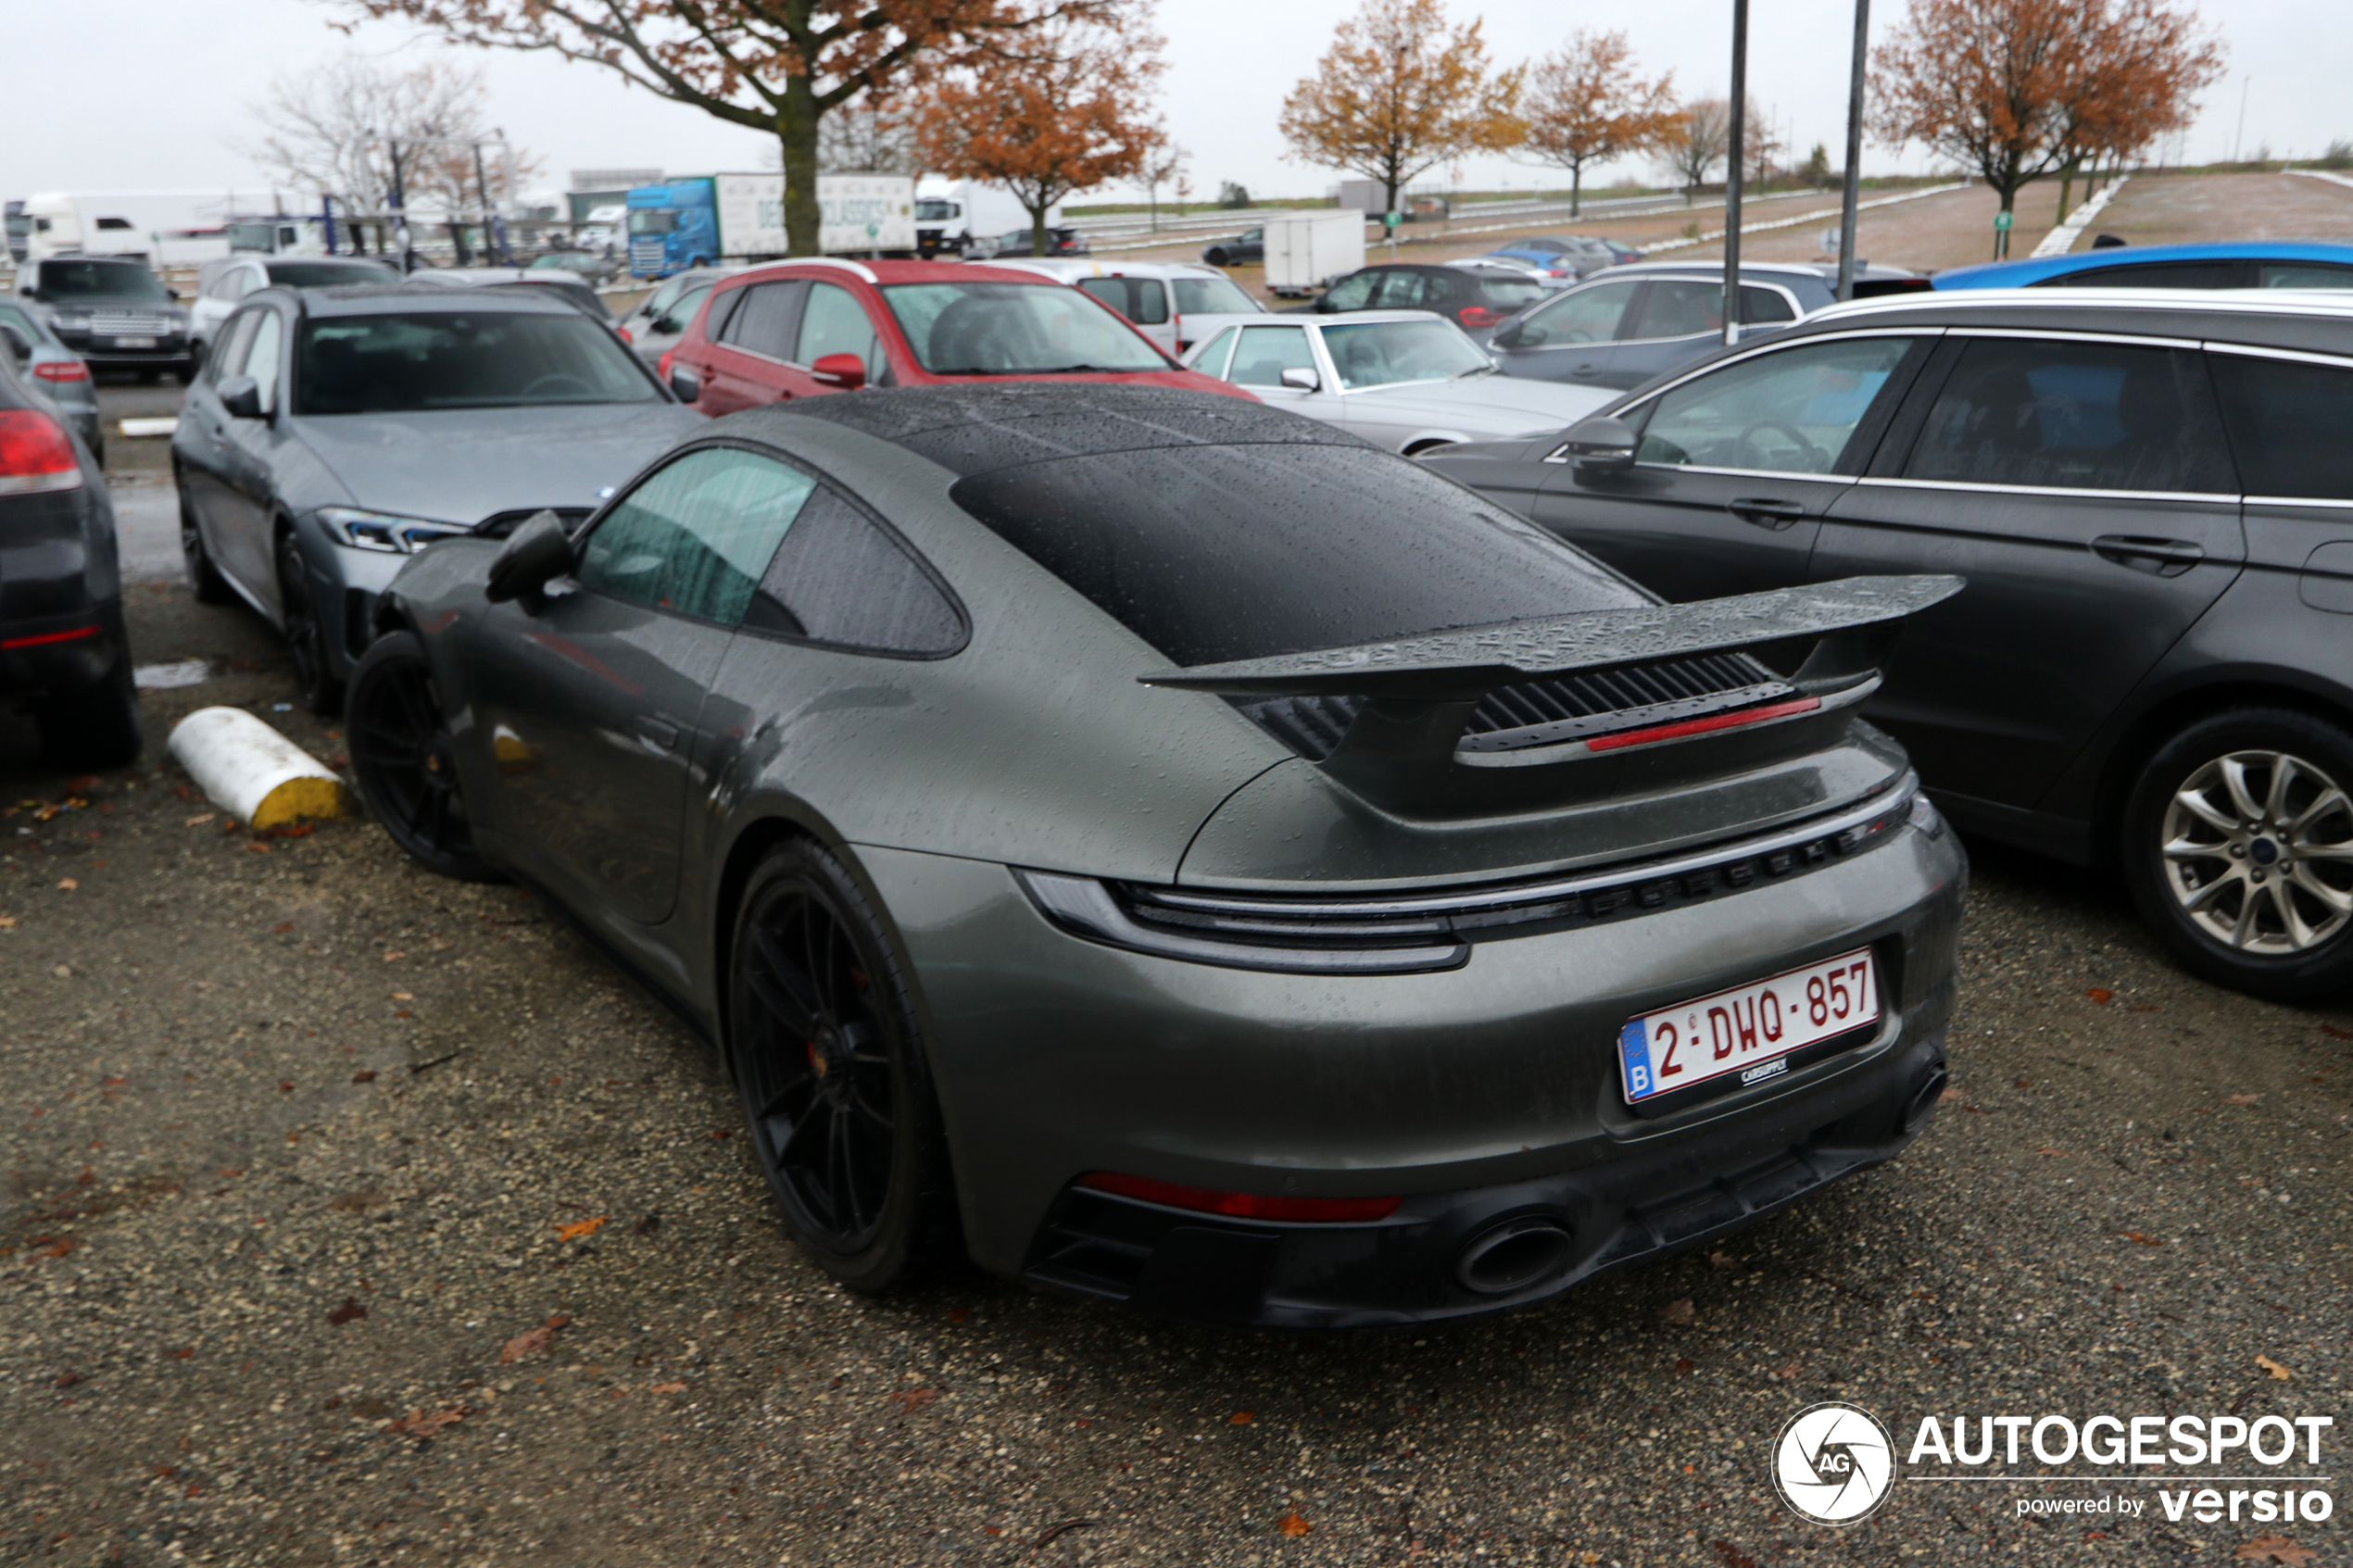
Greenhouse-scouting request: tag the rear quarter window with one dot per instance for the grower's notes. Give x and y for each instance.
(2288, 421)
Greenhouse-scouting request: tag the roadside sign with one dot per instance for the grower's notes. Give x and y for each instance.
(1389, 220)
(2002, 221)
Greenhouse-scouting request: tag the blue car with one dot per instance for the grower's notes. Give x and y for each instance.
(2247, 264)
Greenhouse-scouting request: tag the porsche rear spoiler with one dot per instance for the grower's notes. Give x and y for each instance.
(1419, 692)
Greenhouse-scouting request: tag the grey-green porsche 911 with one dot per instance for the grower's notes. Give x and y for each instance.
(1179, 853)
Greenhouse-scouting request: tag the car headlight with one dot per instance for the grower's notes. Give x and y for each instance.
(384, 532)
(72, 321)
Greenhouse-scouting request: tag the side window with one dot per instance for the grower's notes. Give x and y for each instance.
(1581, 316)
(841, 580)
(681, 314)
(2083, 416)
(2304, 275)
(1150, 297)
(1266, 352)
(261, 359)
(232, 351)
(766, 319)
(696, 536)
(831, 322)
(1403, 289)
(2156, 275)
(1792, 411)
(1351, 293)
(2288, 422)
(1764, 305)
(1221, 348)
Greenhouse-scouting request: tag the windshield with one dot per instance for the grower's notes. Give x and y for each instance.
(1014, 330)
(1509, 294)
(932, 210)
(327, 274)
(1384, 353)
(1199, 295)
(653, 221)
(100, 280)
(461, 360)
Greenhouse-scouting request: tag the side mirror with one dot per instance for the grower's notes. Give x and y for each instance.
(19, 345)
(241, 398)
(1302, 379)
(535, 554)
(844, 371)
(686, 384)
(1599, 446)
(1508, 336)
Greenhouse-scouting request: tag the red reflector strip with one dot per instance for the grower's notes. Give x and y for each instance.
(50, 637)
(1702, 726)
(1241, 1205)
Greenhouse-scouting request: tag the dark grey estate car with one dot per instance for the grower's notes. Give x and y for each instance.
(2151, 495)
(337, 432)
(1189, 855)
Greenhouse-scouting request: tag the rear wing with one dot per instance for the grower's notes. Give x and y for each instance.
(1419, 693)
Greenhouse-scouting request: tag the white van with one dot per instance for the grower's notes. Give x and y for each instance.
(1176, 304)
(118, 222)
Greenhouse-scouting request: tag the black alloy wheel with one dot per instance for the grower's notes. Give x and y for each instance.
(828, 1060)
(203, 575)
(306, 639)
(1218, 258)
(405, 762)
(2238, 848)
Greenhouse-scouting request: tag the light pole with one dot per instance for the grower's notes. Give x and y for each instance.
(1732, 176)
(1853, 185)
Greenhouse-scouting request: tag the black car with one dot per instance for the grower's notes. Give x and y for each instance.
(1245, 249)
(113, 311)
(1474, 298)
(1022, 241)
(63, 650)
(2151, 494)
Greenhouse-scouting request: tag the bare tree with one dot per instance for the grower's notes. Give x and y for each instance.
(338, 129)
(1699, 138)
(865, 136)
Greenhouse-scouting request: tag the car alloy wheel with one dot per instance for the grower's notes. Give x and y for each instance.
(2258, 852)
(404, 761)
(827, 1059)
(305, 640)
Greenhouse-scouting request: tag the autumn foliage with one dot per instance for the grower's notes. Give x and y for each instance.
(1587, 104)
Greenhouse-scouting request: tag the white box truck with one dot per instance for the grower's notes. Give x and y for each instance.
(695, 221)
(119, 222)
(950, 215)
(1307, 250)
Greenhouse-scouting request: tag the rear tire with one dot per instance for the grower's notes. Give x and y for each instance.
(405, 763)
(306, 638)
(2237, 846)
(202, 576)
(829, 1062)
(1217, 259)
(96, 727)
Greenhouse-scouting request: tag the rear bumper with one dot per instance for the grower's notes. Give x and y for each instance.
(50, 655)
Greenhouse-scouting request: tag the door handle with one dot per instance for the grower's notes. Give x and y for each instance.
(1765, 511)
(2160, 557)
(660, 732)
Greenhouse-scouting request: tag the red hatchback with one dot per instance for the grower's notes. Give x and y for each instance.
(801, 327)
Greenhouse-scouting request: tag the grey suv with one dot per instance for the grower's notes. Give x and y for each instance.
(113, 311)
(2151, 494)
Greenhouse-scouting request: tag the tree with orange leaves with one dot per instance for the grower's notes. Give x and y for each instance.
(1064, 113)
(2016, 88)
(1399, 93)
(777, 65)
(1587, 104)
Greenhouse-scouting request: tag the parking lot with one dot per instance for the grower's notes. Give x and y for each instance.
(357, 1215)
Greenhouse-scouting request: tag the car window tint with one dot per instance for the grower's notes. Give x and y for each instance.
(679, 314)
(1385, 353)
(2288, 422)
(1683, 306)
(698, 535)
(1509, 294)
(383, 363)
(1221, 348)
(1764, 305)
(261, 359)
(2304, 275)
(1211, 553)
(831, 322)
(1142, 300)
(1792, 411)
(764, 322)
(2093, 415)
(1266, 352)
(1351, 291)
(229, 358)
(2153, 275)
(658, 302)
(22, 322)
(1199, 295)
(840, 579)
(1402, 289)
(1580, 316)
(1015, 328)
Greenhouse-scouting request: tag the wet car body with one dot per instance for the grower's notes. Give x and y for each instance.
(58, 373)
(1227, 1016)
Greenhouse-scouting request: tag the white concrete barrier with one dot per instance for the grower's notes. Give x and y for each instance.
(252, 771)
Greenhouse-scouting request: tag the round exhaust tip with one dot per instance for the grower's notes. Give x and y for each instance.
(1923, 1103)
(1514, 1256)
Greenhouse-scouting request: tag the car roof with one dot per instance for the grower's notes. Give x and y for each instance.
(1335, 317)
(2016, 275)
(392, 299)
(887, 272)
(2285, 318)
(980, 428)
(1073, 267)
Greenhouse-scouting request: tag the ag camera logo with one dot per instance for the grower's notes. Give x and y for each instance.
(1833, 1463)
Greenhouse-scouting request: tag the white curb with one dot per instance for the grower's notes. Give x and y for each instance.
(2059, 240)
(254, 773)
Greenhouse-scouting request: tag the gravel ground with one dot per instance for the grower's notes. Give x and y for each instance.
(351, 1215)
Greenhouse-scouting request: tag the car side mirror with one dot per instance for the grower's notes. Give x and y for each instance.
(1300, 378)
(19, 345)
(1509, 335)
(844, 371)
(686, 384)
(241, 398)
(535, 554)
(1599, 446)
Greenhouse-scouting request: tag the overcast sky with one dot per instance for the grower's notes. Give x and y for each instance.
(152, 94)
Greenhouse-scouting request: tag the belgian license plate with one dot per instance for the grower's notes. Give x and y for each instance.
(1750, 1030)
(134, 343)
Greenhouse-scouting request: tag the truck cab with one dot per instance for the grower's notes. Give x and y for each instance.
(671, 226)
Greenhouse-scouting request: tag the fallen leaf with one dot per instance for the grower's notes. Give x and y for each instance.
(1724, 1260)
(2334, 1032)
(199, 821)
(365, 1075)
(957, 1314)
(69, 1380)
(2020, 1082)
(282, 928)
(394, 957)
(2141, 1237)
(579, 1228)
(531, 1340)
(404, 996)
(909, 1400)
(1784, 1375)
(417, 1424)
(2101, 995)
(81, 786)
(1242, 1418)
(66, 884)
(2245, 1099)
(2277, 1371)
(1734, 1556)
(7, 920)
(1051, 1531)
(1684, 1364)
(1679, 1313)
(1292, 1525)
(2274, 1548)
(349, 1310)
(680, 1388)
(183, 1353)
(256, 847)
(57, 1249)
